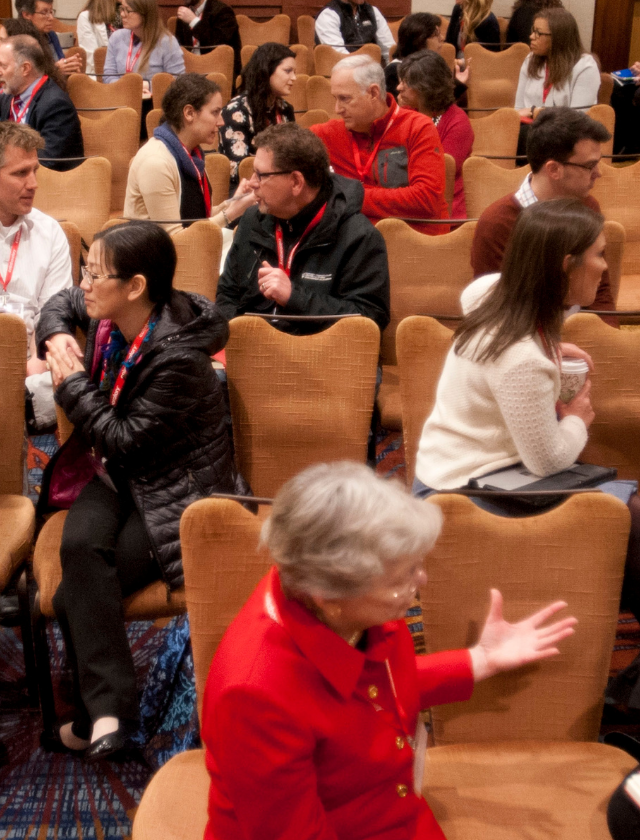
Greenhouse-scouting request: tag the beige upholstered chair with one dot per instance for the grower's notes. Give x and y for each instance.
(494, 78)
(218, 169)
(278, 29)
(222, 566)
(299, 400)
(497, 135)
(17, 514)
(303, 57)
(325, 57)
(394, 26)
(99, 56)
(298, 95)
(306, 27)
(448, 52)
(485, 181)
(199, 248)
(219, 60)
(606, 89)
(75, 248)
(618, 191)
(521, 753)
(159, 84)
(615, 393)
(89, 96)
(422, 344)
(427, 276)
(449, 180)
(172, 23)
(116, 137)
(224, 83)
(81, 195)
(614, 253)
(503, 23)
(604, 114)
(245, 167)
(314, 117)
(319, 95)
(152, 120)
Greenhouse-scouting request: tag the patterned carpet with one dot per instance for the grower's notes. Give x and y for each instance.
(45, 796)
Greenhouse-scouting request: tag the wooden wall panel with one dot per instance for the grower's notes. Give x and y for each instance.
(612, 27)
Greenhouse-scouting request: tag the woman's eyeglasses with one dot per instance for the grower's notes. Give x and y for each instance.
(89, 278)
(535, 33)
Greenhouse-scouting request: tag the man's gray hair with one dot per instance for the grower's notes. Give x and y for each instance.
(365, 71)
(26, 48)
(335, 528)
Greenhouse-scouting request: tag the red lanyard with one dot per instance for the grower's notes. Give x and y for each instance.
(364, 170)
(124, 370)
(402, 715)
(280, 241)
(12, 260)
(131, 61)
(202, 178)
(278, 115)
(18, 117)
(547, 87)
(551, 354)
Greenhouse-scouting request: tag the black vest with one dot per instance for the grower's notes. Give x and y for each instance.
(356, 29)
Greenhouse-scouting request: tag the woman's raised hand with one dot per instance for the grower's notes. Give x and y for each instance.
(243, 198)
(503, 646)
(580, 405)
(462, 70)
(185, 14)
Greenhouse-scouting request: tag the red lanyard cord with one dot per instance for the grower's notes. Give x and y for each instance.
(19, 116)
(12, 260)
(363, 171)
(136, 344)
(201, 176)
(286, 266)
(131, 60)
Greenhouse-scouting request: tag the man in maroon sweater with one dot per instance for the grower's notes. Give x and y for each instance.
(395, 153)
(563, 149)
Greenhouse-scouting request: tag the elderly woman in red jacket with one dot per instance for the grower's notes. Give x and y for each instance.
(311, 708)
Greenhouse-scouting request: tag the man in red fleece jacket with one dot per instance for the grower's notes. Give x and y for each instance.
(395, 153)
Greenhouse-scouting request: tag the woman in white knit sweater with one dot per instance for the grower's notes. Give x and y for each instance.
(497, 398)
(558, 71)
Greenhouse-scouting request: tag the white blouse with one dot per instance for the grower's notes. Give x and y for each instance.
(579, 91)
(90, 37)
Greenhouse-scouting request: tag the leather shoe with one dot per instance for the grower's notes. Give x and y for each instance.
(106, 746)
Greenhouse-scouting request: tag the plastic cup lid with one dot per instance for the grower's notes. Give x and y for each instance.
(573, 365)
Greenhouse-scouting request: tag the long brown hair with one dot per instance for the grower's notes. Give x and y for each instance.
(473, 13)
(101, 11)
(153, 28)
(566, 47)
(533, 285)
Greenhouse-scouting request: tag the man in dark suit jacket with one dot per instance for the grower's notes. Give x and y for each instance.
(32, 98)
(210, 23)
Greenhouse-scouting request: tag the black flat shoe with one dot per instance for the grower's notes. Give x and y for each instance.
(106, 747)
(52, 742)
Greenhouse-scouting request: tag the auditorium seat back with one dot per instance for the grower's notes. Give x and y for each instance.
(485, 181)
(493, 80)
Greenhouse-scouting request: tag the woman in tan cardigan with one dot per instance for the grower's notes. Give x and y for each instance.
(167, 179)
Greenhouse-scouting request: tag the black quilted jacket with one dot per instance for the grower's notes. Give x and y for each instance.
(166, 436)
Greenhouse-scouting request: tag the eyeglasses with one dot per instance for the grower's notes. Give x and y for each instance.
(262, 175)
(89, 278)
(589, 167)
(50, 13)
(535, 33)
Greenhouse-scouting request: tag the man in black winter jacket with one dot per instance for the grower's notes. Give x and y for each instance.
(306, 249)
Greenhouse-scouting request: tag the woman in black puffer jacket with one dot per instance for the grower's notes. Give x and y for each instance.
(149, 434)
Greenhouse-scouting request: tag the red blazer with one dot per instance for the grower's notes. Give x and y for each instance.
(406, 180)
(303, 734)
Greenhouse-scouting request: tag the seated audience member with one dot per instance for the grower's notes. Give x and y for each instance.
(148, 415)
(167, 178)
(207, 23)
(42, 16)
(498, 398)
(563, 149)
(426, 85)
(306, 249)
(522, 17)
(557, 71)
(40, 249)
(317, 679)
(143, 46)
(30, 97)
(473, 21)
(623, 811)
(395, 153)
(417, 32)
(625, 101)
(266, 80)
(96, 23)
(346, 26)
(22, 26)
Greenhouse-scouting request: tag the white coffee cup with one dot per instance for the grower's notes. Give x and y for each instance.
(573, 375)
